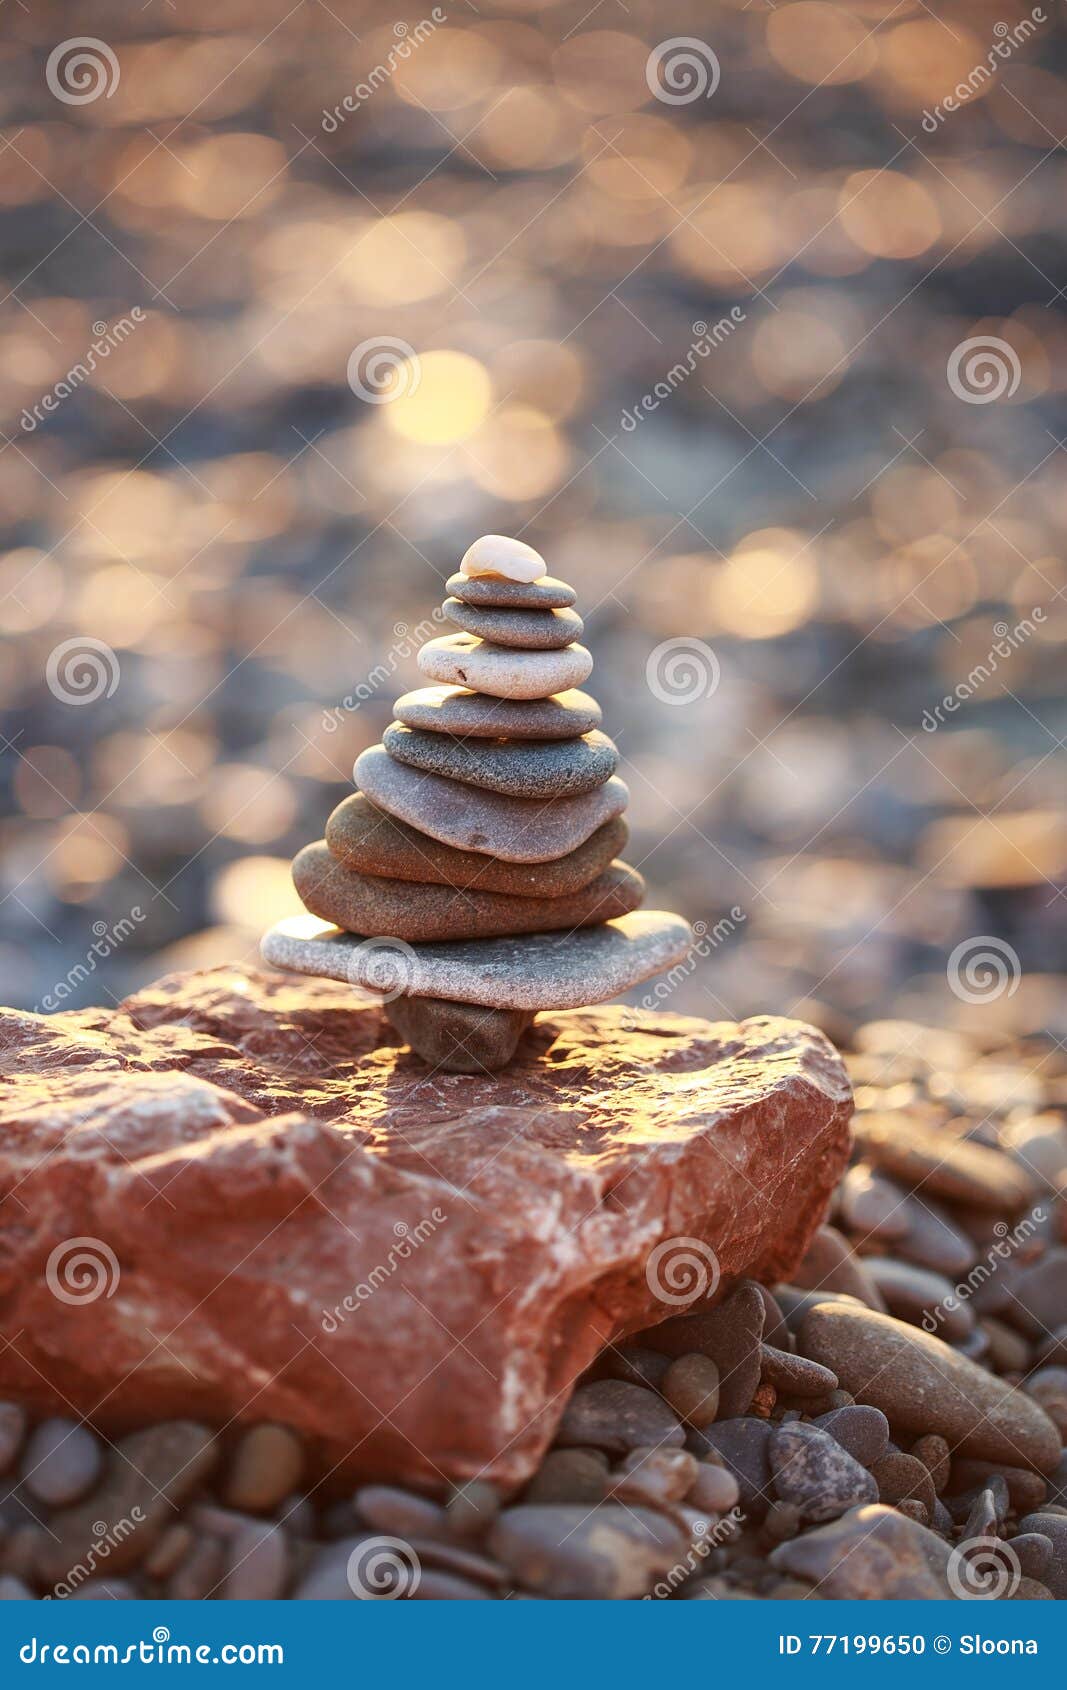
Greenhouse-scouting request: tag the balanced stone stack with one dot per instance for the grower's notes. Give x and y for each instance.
(474, 878)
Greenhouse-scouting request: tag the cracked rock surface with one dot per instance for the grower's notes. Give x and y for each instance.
(283, 1215)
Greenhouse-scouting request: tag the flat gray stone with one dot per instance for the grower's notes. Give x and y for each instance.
(533, 971)
(477, 715)
(519, 830)
(538, 768)
(546, 594)
(464, 660)
(527, 630)
(404, 909)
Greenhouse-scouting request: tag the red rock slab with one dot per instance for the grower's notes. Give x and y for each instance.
(289, 1218)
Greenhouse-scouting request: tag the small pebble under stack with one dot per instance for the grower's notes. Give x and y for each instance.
(475, 876)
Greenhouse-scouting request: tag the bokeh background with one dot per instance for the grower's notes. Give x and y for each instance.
(843, 522)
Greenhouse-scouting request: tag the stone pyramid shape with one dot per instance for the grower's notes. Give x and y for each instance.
(474, 876)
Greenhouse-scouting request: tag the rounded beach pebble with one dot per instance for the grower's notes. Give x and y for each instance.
(365, 838)
(464, 660)
(477, 715)
(922, 1385)
(554, 768)
(544, 594)
(369, 904)
(497, 554)
(529, 630)
(521, 830)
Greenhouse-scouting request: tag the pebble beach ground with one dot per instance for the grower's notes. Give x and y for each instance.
(888, 1425)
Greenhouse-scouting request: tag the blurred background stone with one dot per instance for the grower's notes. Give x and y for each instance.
(335, 342)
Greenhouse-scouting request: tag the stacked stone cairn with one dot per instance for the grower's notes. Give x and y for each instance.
(474, 876)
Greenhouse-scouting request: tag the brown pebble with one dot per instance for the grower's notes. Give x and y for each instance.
(175, 1543)
(1026, 1491)
(901, 1477)
(1030, 1590)
(569, 1475)
(913, 1509)
(199, 1573)
(472, 1508)
(634, 1365)
(655, 1475)
(387, 1508)
(763, 1400)
(614, 1416)
(936, 1457)
(793, 1375)
(782, 1521)
(691, 1386)
(714, 1487)
(267, 1464)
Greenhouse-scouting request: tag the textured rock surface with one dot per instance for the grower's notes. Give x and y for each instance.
(410, 1268)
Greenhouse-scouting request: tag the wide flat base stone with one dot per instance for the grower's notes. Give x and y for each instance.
(299, 1222)
(523, 971)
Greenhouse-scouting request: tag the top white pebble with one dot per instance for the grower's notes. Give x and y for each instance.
(495, 554)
